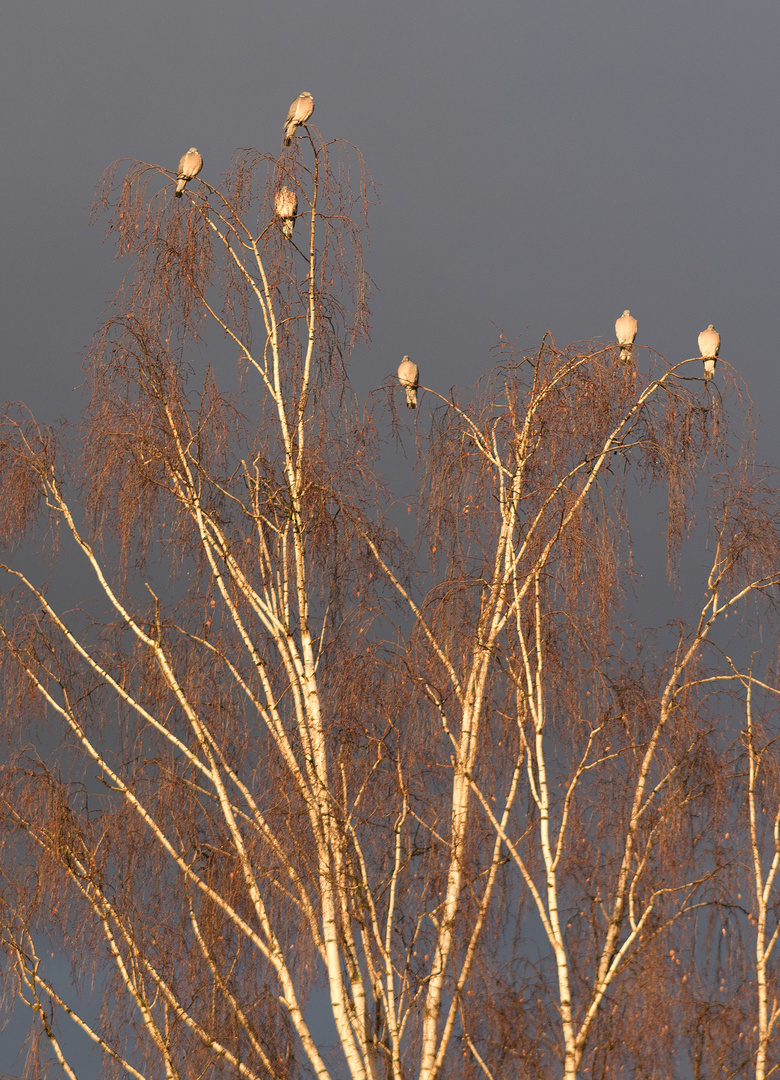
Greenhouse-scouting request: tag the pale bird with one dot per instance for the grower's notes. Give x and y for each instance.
(189, 167)
(300, 111)
(625, 332)
(286, 206)
(709, 344)
(409, 376)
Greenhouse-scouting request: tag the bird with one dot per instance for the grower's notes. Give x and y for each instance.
(625, 332)
(286, 206)
(709, 345)
(189, 167)
(409, 376)
(300, 111)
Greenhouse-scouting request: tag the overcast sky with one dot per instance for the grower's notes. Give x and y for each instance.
(541, 165)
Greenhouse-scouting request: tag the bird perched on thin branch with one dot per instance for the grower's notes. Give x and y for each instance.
(189, 167)
(300, 111)
(709, 345)
(409, 376)
(625, 332)
(286, 206)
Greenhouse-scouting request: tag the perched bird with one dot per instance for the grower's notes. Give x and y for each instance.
(625, 332)
(300, 111)
(189, 167)
(709, 344)
(286, 206)
(409, 376)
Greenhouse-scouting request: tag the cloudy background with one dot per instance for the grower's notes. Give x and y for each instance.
(541, 165)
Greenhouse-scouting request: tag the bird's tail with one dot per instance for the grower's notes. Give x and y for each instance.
(709, 368)
(289, 131)
(287, 227)
(181, 183)
(411, 397)
(625, 354)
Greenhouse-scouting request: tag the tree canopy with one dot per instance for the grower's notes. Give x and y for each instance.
(295, 797)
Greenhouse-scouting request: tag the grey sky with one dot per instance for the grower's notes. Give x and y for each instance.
(542, 165)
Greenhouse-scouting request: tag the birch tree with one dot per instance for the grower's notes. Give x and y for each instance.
(609, 813)
(292, 797)
(748, 1009)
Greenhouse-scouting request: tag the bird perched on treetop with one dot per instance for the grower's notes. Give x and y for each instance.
(409, 376)
(300, 111)
(189, 167)
(625, 332)
(709, 345)
(286, 206)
